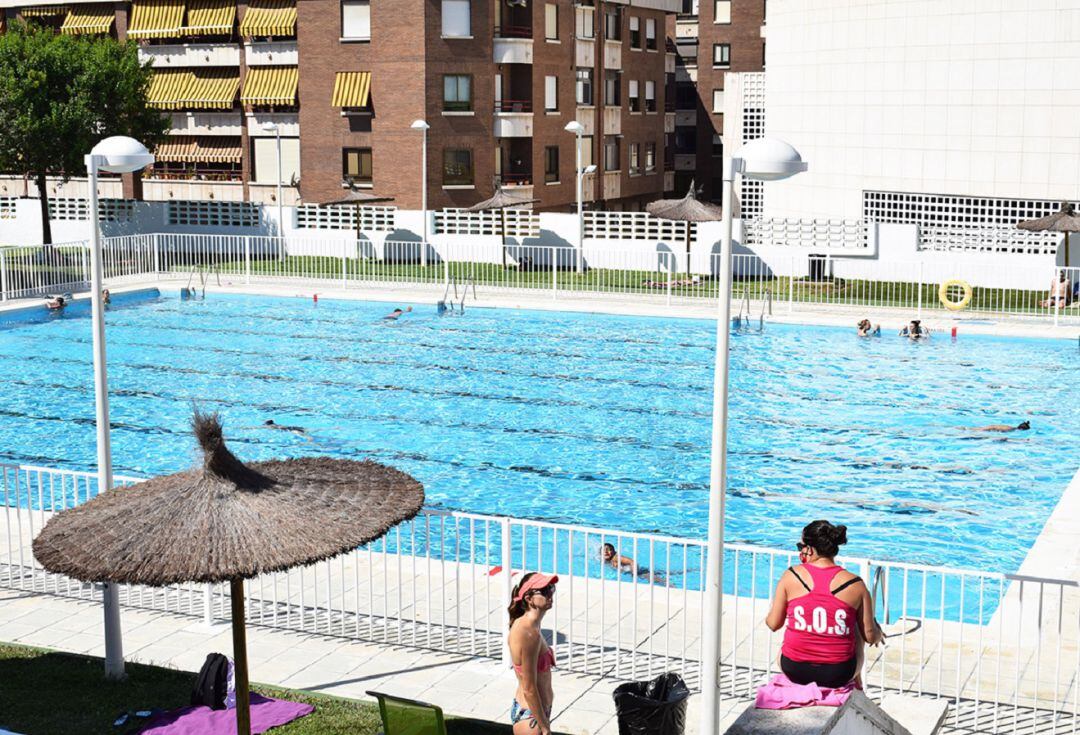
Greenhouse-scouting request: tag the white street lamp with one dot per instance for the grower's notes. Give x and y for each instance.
(272, 127)
(423, 126)
(764, 159)
(120, 155)
(578, 130)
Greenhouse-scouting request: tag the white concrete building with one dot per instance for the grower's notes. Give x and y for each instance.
(955, 116)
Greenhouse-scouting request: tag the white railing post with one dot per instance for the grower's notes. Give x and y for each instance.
(671, 274)
(247, 261)
(554, 274)
(1053, 294)
(344, 263)
(918, 286)
(3, 276)
(508, 581)
(791, 288)
(208, 599)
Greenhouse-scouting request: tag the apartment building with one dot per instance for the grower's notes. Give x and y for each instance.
(327, 91)
(711, 38)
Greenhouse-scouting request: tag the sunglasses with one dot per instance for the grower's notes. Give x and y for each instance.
(801, 546)
(545, 591)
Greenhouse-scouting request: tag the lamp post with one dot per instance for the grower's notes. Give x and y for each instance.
(764, 159)
(423, 127)
(124, 155)
(578, 130)
(272, 127)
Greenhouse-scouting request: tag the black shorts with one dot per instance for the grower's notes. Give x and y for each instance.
(832, 676)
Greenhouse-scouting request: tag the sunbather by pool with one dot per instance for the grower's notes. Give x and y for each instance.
(533, 659)
(827, 612)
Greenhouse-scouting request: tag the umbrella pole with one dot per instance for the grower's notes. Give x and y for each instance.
(1066, 249)
(239, 637)
(502, 213)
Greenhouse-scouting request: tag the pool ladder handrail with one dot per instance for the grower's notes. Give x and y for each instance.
(766, 304)
(470, 281)
(203, 272)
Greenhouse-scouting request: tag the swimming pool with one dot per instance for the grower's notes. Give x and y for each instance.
(579, 418)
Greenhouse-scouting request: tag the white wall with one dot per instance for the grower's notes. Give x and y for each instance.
(976, 97)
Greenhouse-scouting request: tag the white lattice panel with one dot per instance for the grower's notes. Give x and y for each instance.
(519, 222)
(213, 214)
(753, 119)
(807, 233)
(67, 209)
(372, 219)
(634, 226)
(7, 207)
(988, 240)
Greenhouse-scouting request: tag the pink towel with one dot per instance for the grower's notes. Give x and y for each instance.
(266, 713)
(783, 693)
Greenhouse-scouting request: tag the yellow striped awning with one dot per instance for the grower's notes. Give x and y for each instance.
(351, 89)
(168, 89)
(88, 19)
(156, 18)
(201, 89)
(210, 17)
(199, 149)
(270, 85)
(43, 11)
(269, 18)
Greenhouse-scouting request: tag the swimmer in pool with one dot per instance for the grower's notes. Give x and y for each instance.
(396, 313)
(915, 331)
(868, 330)
(1004, 428)
(56, 303)
(625, 564)
(298, 430)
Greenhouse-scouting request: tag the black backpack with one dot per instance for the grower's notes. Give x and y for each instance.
(212, 684)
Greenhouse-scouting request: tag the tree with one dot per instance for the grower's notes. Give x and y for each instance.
(60, 95)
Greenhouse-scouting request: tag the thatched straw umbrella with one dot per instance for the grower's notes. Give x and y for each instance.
(1064, 220)
(360, 199)
(228, 521)
(502, 201)
(688, 209)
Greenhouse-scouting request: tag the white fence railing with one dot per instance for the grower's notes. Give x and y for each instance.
(1003, 648)
(786, 282)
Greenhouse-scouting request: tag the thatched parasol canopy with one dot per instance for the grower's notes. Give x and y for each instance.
(502, 201)
(228, 521)
(688, 209)
(1064, 220)
(355, 197)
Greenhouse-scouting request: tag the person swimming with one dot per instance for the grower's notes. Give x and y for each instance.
(396, 313)
(866, 329)
(298, 430)
(915, 330)
(56, 303)
(625, 564)
(1004, 428)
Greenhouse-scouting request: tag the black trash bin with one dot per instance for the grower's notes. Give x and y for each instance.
(656, 707)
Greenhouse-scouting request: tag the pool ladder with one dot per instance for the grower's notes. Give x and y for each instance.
(204, 272)
(742, 319)
(447, 304)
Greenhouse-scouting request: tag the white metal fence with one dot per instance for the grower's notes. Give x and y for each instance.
(786, 283)
(1004, 649)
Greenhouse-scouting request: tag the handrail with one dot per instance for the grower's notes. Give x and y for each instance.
(508, 105)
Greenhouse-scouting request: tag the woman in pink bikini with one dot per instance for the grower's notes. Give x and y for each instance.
(533, 659)
(824, 607)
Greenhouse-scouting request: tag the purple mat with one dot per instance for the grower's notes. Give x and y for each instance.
(265, 714)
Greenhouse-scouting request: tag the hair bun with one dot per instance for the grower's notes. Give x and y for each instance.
(839, 534)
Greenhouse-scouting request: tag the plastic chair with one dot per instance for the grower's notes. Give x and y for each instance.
(409, 717)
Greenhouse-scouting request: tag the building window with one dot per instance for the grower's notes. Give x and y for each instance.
(635, 32)
(633, 95)
(551, 94)
(650, 34)
(718, 101)
(585, 87)
(650, 96)
(551, 22)
(722, 11)
(612, 25)
(686, 96)
(457, 93)
(356, 20)
(457, 18)
(586, 23)
(551, 164)
(650, 157)
(686, 140)
(585, 151)
(356, 165)
(611, 154)
(612, 98)
(457, 167)
(635, 160)
(717, 147)
(721, 54)
(686, 49)
(689, 7)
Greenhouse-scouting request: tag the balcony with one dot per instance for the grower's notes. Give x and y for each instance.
(513, 51)
(205, 123)
(513, 118)
(585, 53)
(189, 55)
(669, 122)
(612, 184)
(268, 53)
(612, 121)
(613, 54)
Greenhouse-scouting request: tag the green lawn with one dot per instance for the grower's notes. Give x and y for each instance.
(50, 693)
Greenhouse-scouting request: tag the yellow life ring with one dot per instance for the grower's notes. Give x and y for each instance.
(943, 294)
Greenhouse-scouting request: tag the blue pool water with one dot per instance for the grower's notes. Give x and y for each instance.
(579, 418)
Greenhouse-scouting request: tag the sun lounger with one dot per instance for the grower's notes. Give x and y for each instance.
(409, 717)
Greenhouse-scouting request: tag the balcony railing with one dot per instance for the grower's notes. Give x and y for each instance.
(512, 31)
(513, 106)
(516, 179)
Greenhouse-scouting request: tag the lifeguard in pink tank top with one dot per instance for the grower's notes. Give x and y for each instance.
(820, 626)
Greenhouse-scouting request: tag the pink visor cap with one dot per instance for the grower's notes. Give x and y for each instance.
(535, 582)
